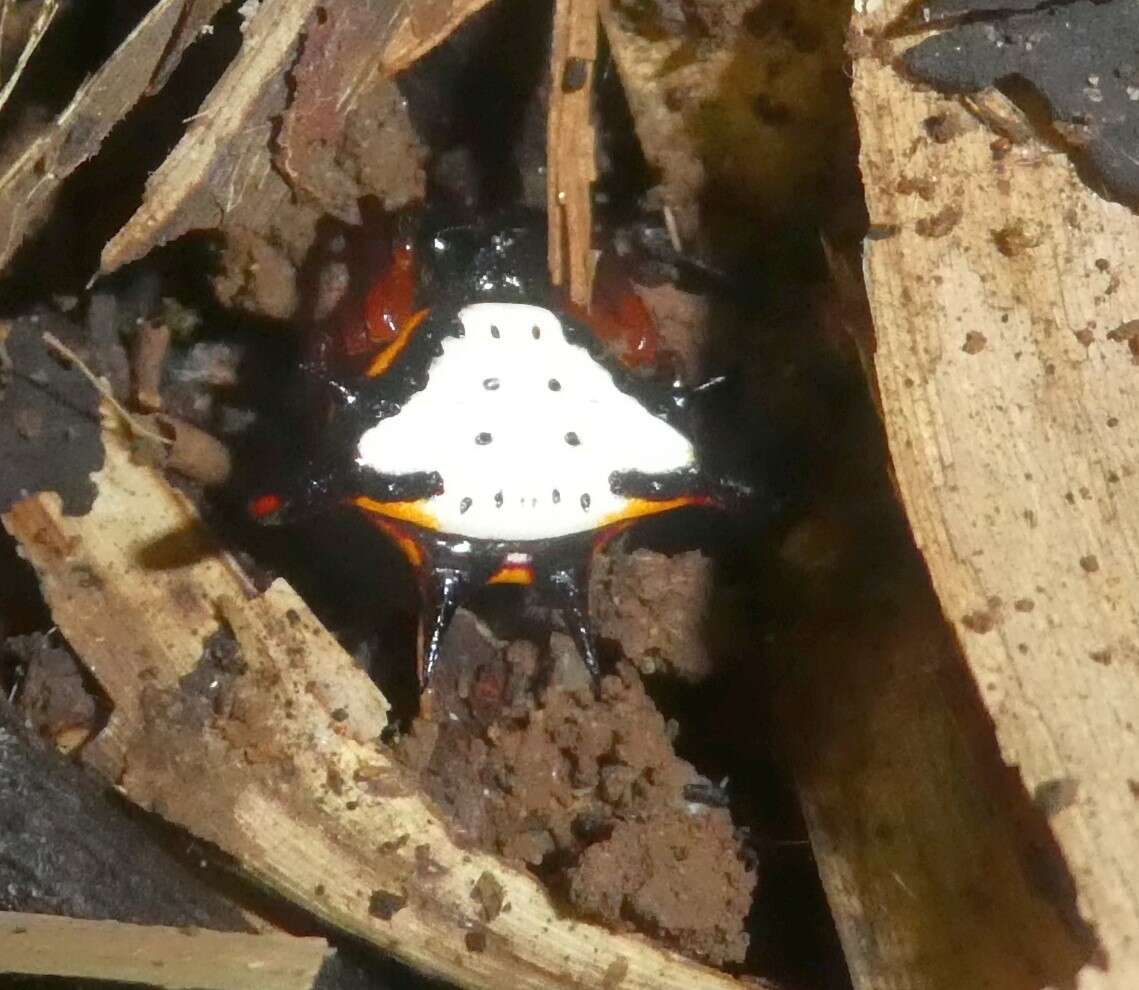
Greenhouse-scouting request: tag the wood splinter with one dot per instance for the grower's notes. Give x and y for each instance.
(570, 148)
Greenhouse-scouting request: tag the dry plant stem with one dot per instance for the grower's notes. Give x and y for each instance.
(421, 26)
(149, 357)
(570, 148)
(27, 187)
(136, 427)
(301, 794)
(43, 20)
(169, 958)
(1008, 384)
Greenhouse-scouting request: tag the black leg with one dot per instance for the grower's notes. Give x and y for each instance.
(570, 591)
(443, 590)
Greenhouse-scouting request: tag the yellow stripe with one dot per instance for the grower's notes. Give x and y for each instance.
(411, 512)
(635, 508)
(384, 359)
(513, 574)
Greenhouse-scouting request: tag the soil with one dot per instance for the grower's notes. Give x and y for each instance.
(586, 790)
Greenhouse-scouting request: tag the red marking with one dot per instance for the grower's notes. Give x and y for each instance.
(370, 320)
(391, 299)
(620, 318)
(265, 505)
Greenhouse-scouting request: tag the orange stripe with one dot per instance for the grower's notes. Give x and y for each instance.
(513, 574)
(411, 512)
(394, 532)
(635, 508)
(382, 361)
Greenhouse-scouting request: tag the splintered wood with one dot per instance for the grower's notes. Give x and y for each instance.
(224, 150)
(571, 155)
(1003, 298)
(141, 63)
(421, 26)
(293, 783)
(154, 956)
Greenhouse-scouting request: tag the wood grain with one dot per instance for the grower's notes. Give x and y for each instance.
(140, 65)
(170, 958)
(571, 148)
(1002, 294)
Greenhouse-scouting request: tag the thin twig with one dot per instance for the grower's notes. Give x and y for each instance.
(42, 22)
(55, 344)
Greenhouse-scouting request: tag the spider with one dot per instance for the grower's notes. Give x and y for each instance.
(490, 432)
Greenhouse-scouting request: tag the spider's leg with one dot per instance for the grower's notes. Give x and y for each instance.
(569, 591)
(443, 590)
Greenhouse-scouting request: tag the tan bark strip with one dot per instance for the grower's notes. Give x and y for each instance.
(203, 178)
(28, 185)
(930, 855)
(299, 792)
(40, 26)
(1001, 300)
(171, 958)
(421, 26)
(570, 147)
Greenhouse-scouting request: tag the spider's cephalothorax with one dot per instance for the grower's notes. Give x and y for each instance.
(489, 435)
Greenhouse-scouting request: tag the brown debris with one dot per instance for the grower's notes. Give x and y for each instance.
(192, 452)
(53, 695)
(677, 874)
(366, 145)
(489, 895)
(223, 175)
(149, 357)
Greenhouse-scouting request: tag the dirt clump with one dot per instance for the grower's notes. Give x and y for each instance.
(653, 605)
(588, 792)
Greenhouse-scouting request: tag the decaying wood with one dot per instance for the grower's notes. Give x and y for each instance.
(26, 188)
(421, 27)
(174, 958)
(300, 792)
(223, 154)
(39, 28)
(69, 847)
(571, 147)
(1003, 299)
(938, 869)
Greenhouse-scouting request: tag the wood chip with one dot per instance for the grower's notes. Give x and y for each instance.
(192, 452)
(422, 25)
(1016, 462)
(154, 956)
(571, 148)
